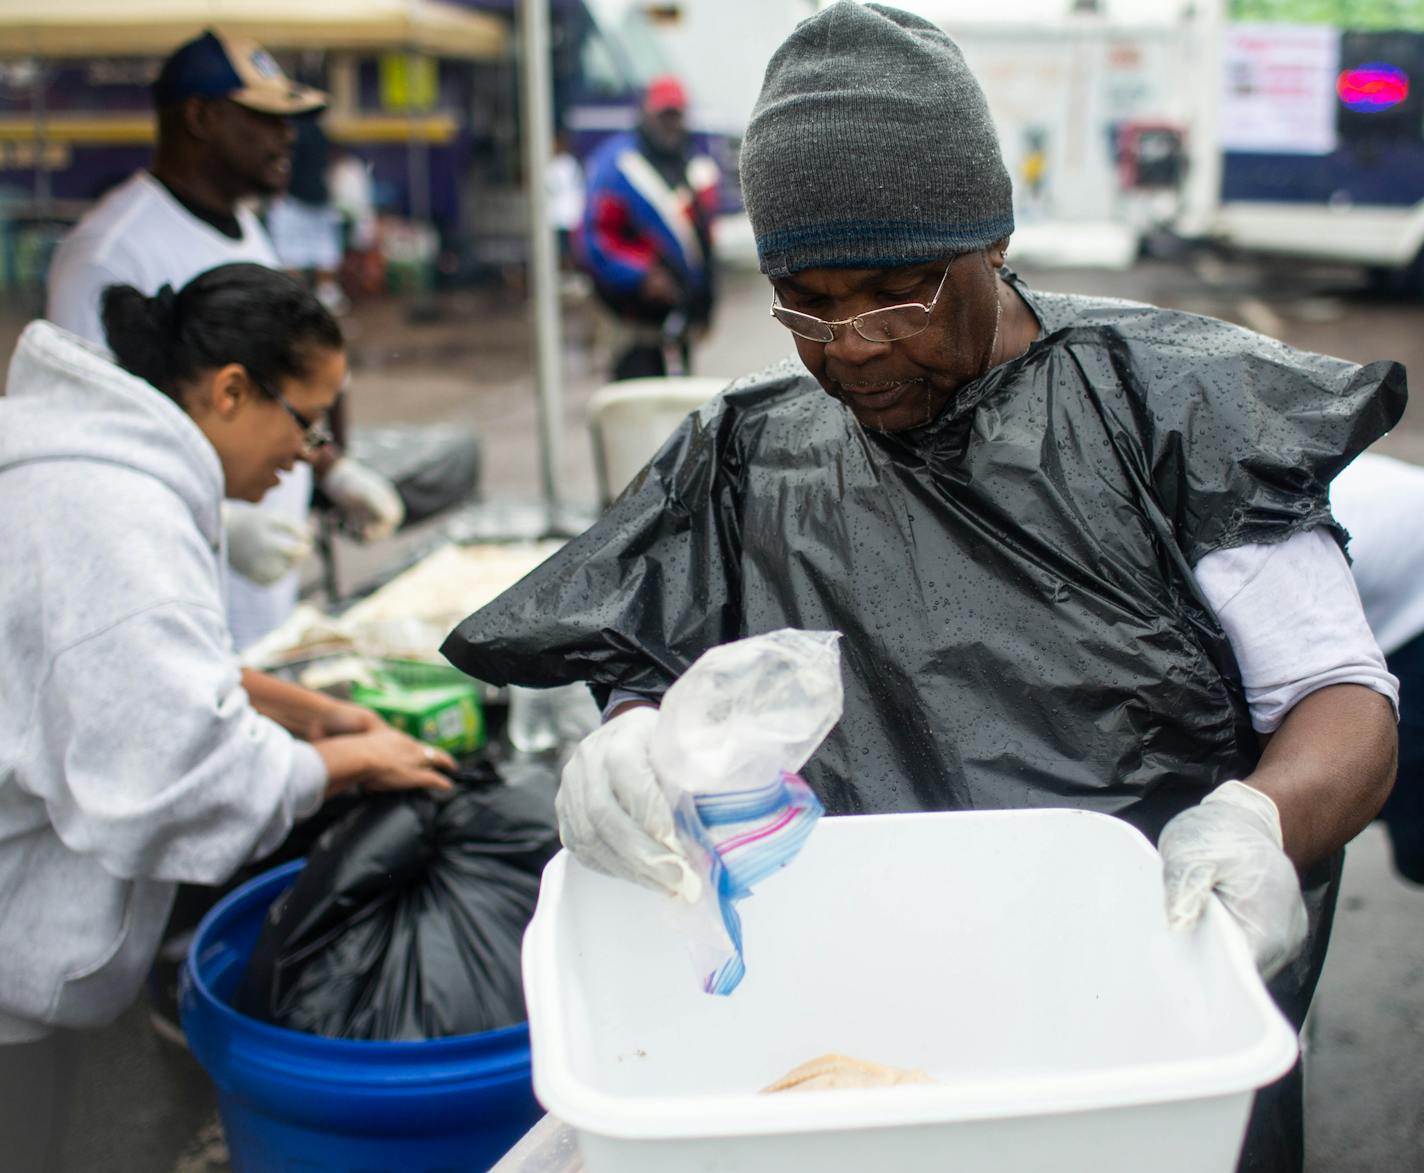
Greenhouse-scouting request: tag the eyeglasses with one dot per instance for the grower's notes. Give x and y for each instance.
(315, 433)
(891, 324)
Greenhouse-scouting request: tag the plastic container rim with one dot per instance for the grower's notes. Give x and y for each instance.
(630, 1118)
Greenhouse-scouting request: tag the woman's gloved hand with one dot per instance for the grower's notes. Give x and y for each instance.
(368, 502)
(614, 816)
(262, 545)
(1231, 844)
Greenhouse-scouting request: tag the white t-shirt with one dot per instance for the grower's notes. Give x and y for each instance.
(349, 181)
(1380, 500)
(564, 179)
(140, 235)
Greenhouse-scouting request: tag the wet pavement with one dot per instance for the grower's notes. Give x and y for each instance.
(143, 1106)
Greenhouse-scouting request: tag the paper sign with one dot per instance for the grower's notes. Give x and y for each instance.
(1278, 88)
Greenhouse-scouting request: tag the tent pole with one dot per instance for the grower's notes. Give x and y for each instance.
(39, 108)
(424, 306)
(416, 159)
(543, 288)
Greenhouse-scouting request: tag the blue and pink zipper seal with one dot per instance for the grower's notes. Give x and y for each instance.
(746, 836)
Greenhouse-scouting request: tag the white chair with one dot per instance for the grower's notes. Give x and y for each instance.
(629, 421)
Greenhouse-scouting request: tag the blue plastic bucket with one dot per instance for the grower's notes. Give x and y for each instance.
(294, 1101)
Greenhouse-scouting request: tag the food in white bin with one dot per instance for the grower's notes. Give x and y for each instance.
(829, 1072)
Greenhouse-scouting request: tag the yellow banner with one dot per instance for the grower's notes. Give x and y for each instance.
(409, 82)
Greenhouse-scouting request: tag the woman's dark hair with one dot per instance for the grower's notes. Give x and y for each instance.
(265, 320)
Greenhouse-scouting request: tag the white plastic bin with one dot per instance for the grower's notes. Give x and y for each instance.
(1021, 958)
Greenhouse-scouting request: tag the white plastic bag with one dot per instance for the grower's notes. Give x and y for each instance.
(730, 735)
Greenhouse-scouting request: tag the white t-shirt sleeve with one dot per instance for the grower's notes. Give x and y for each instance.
(1294, 619)
(620, 696)
(74, 292)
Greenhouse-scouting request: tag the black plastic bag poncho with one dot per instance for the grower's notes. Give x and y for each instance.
(407, 921)
(1013, 580)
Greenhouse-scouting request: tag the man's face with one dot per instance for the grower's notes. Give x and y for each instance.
(666, 128)
(892, 386)
(254, 150)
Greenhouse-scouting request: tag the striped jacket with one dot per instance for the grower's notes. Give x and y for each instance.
(634, 218)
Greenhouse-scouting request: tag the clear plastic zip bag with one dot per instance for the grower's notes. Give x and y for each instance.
(730, 736)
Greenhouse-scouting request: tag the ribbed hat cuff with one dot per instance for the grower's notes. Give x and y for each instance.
(872, 244)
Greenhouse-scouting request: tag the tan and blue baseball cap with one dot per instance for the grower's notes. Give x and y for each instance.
(215, 65)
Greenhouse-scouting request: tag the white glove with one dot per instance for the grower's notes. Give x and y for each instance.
(1231, 843)
(263, 545)
(614, 816)
(366, 499)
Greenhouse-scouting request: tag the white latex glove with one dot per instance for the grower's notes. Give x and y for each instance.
(1231, 844)
(366, 499)
(614, 816)
(262, 545)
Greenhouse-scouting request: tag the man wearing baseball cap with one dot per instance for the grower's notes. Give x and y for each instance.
(225, 137)
(647, 234)
(215, 65)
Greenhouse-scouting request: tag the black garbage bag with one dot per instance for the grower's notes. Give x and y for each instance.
(1013, 580)
(407, 921)
(433, 467)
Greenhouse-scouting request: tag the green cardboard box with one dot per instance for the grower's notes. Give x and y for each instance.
(439, 706)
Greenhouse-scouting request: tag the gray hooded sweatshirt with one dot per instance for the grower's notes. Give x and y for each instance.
(130, 756)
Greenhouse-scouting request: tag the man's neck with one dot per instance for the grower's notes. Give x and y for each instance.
(201, 198)
(202, 204)
(1019, 328)
(194, 187)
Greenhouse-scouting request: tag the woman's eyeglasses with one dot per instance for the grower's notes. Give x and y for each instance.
(315, 432)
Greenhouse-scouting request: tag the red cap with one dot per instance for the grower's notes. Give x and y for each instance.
(664, 93)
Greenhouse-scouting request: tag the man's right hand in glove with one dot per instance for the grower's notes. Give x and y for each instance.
(262, 545)
(613, 814)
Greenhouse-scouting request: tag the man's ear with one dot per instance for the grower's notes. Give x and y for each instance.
(199, 116)
(997, 252)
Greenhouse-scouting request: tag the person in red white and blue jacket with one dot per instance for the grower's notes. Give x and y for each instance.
(646, 236)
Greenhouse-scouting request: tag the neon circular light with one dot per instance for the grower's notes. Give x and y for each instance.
(1368, 89)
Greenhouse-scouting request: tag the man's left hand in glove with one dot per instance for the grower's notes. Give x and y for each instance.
(1231, 844)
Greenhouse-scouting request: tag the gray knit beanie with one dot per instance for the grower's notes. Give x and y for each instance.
(871, 147)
